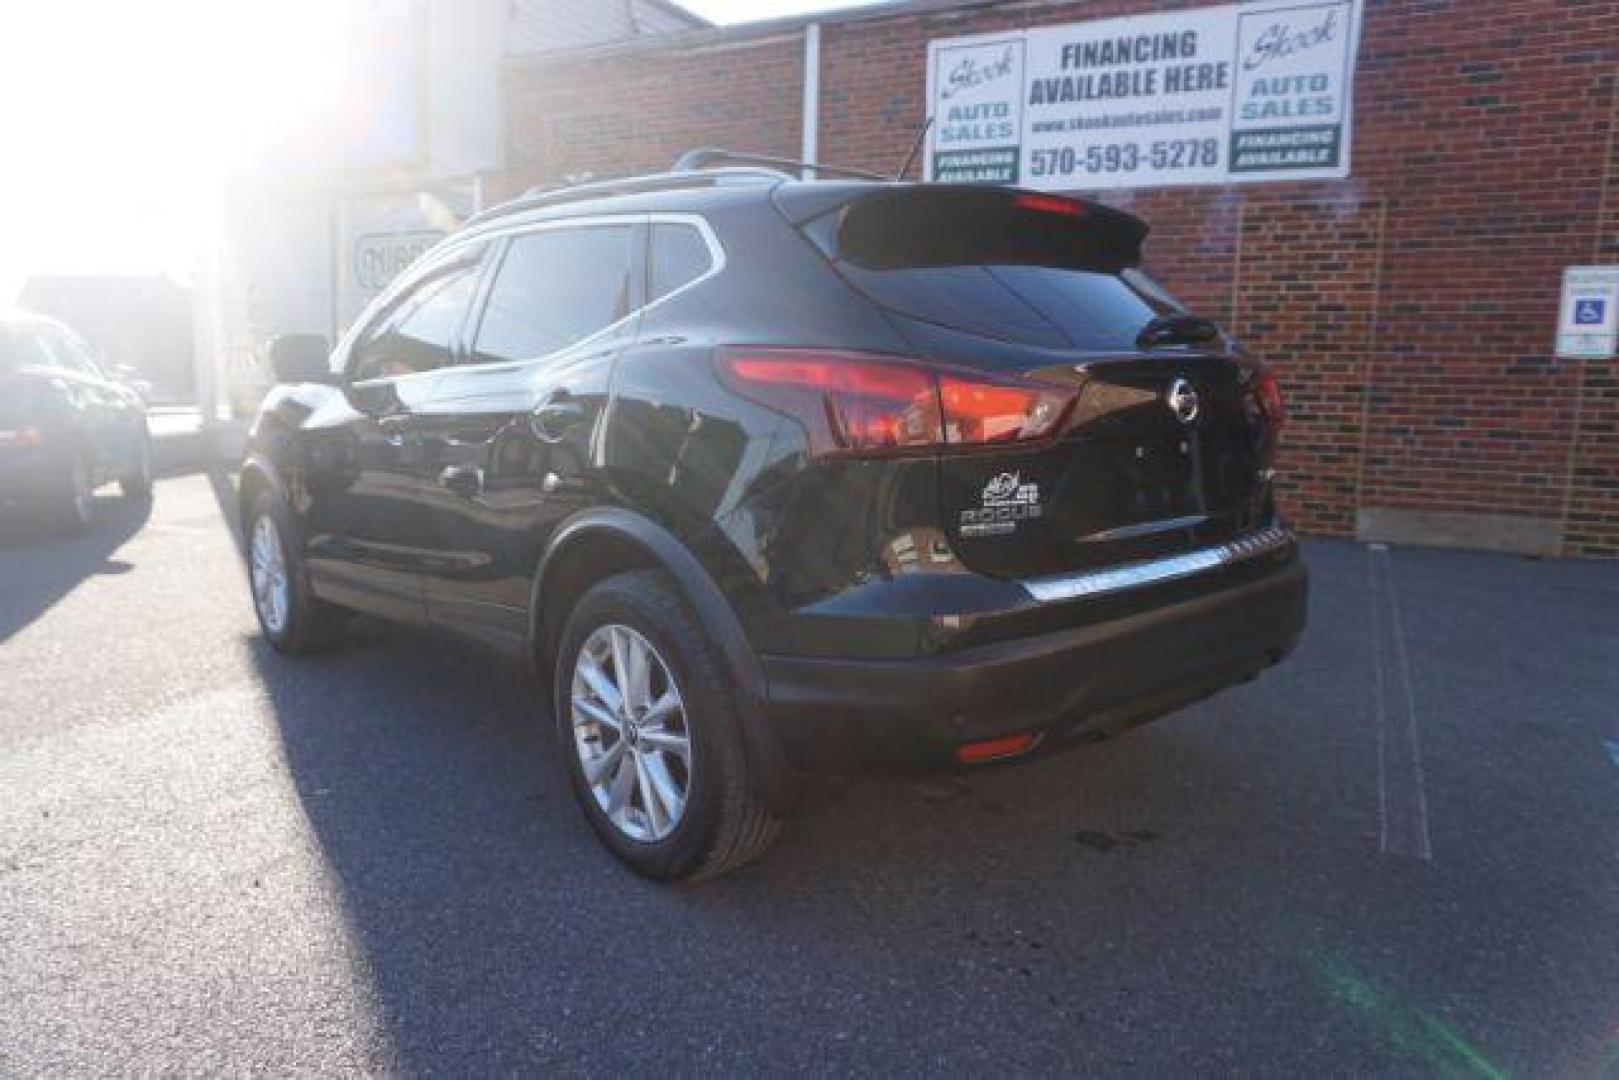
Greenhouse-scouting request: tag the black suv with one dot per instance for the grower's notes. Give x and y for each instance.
(767, 476)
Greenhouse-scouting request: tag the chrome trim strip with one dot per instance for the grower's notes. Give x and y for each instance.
(1153, 571)
(1147, 528)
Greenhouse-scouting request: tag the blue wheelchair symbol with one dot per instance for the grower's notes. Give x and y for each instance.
(1593, 312)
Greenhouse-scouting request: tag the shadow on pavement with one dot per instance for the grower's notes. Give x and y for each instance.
(223, 486)
(1204, 894)
(500, 936)
(40, 565)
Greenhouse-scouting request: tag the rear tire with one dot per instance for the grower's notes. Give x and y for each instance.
(293, 619)
(137, 483)
(72, 510)
(669, 787)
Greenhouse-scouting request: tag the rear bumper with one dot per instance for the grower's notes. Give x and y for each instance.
(1083, 681)
(30, 474)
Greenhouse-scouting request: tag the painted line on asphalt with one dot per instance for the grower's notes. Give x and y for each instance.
(1402, 794)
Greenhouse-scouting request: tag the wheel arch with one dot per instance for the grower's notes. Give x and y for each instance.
(258, 474)
(595, 544)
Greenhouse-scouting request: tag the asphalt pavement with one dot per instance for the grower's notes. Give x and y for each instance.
(1396, 854)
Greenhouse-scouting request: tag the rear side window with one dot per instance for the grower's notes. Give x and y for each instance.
(680, 256)
(69, 354)
(20, 348)
(1031, 270)
(554, 289)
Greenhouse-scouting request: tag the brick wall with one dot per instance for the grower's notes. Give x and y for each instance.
(611, 113)
(1410, 308)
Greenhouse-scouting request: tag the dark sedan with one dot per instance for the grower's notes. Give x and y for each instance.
(66, 428)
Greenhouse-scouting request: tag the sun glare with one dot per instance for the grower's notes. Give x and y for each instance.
(122, 119)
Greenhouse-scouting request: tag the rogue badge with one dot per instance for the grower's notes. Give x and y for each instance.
(1006, 501)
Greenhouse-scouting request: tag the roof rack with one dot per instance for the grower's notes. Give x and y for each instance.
(703, 157)
(703, 167)
(535, 198)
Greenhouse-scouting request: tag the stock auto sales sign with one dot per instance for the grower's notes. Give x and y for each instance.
(1216, 95)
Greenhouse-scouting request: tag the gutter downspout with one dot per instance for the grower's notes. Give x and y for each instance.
(810, 145)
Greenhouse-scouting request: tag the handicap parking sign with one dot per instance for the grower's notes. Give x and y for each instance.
(1589, 324)
(1590, 311)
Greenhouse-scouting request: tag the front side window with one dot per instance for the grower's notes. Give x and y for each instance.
(418, 332)
(554, 289)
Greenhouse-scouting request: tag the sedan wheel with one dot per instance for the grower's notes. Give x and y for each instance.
(268, 567)
(79, 508)
(137, 483)
(629, 730)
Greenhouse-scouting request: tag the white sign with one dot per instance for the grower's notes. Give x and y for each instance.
(380, 234)
(1257, 91)
(1588, 324)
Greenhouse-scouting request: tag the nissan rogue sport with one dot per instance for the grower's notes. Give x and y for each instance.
(769, 476)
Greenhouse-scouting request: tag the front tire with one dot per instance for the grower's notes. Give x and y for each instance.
(293, 619)
(137, 483)
(651, 727)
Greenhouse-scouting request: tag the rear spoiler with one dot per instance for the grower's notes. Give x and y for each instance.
(887, 225)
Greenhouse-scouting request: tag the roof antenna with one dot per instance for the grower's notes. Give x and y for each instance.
(916, 148)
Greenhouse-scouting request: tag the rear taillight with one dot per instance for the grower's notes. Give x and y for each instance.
(979, 410)
(28, 436)
(857, 403)
(1268, 392)
(1262, 401)
(846, 401)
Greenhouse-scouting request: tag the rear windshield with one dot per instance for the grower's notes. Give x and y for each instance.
(18, 350)
(992, 264)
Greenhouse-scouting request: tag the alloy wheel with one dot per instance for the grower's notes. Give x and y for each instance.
(630, 732)
(268, 569)
(84, 492)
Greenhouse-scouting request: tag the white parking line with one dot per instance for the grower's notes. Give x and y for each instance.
(1401, 789)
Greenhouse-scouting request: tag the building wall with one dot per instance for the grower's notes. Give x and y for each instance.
(1410, 309)
(625, 111)
(546, 25)
(465, 41)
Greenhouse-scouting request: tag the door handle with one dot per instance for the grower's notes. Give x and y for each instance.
(465, 480)
(556, 485)
(393, 430)
(553, 420)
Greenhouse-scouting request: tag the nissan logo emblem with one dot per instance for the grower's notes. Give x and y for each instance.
(1182, 401)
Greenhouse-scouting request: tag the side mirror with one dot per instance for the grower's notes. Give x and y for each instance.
(300, 358)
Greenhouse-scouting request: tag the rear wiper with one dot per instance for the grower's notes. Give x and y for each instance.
(1177, 329)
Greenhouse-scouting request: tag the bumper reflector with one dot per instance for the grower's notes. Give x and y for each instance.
(1004, 746)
